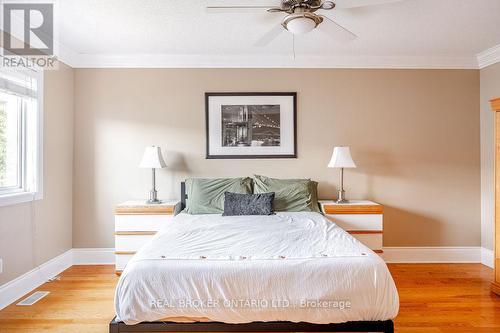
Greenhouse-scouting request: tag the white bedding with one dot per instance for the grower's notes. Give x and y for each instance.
(285, 267)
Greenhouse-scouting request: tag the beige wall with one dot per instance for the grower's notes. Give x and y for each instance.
(32, 234)
(490, 88)
(414, 135)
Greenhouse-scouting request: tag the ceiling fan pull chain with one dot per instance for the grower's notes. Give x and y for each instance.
(293, 46)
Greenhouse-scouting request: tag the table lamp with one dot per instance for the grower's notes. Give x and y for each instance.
(153, 159)
(341, 158)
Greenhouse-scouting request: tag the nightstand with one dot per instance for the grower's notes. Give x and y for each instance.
(135, 224)
(362, 219)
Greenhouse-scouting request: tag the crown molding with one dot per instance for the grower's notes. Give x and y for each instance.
(489, 57)
(67, 55)
(76, 60)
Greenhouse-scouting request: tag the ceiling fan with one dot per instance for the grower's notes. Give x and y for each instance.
(302, 18)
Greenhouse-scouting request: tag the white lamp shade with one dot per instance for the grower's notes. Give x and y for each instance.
(152, 158)
(341, 158)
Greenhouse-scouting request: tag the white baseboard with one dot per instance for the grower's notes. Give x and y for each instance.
(487, 257)
(22, 285)
(17, 288)
(460, 254)
(93, 256)
(25, 283)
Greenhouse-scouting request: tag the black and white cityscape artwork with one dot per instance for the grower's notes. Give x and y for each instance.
(250, 125)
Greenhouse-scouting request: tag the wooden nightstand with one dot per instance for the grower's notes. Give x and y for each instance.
(136, 223)
(362, 219)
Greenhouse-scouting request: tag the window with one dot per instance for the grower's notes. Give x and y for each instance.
(20, 136)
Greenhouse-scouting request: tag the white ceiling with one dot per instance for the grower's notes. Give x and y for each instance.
(151, 33)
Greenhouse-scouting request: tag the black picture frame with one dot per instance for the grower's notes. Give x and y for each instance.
(208, 95)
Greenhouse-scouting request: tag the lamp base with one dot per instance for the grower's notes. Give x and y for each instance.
(154, 202)
(341, 199)
(153, 199)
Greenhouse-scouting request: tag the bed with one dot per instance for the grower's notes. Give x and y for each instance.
(285, 272)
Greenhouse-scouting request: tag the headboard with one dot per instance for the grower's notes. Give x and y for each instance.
(183, 195)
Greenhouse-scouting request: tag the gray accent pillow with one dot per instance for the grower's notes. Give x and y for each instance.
(248, 204)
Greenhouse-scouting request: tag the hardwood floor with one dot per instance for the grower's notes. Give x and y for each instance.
(434, 298)
(81, 301)
(446, 298)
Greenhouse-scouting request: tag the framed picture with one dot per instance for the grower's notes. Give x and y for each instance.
(251, 125)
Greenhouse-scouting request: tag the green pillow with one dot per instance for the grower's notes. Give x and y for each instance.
(206, 195)
(291, 195)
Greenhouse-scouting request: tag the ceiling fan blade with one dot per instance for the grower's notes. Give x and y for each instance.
(236, 9)
(238, 6)
(269, 36)
(336, 31)
(361, 3)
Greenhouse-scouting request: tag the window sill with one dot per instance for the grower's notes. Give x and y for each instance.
(17, 198)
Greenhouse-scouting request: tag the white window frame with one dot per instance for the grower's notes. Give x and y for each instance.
(17, 197)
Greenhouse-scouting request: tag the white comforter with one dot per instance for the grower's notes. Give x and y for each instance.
(285, 267)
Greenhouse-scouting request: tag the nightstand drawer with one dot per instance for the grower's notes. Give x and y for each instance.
(358, 222)
(373, 241)
(362, 219)
(131, 242)
(141, 222)
(121, 261)
(136, 223)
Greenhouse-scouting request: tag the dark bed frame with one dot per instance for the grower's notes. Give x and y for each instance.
(115, 326)
(274, 326)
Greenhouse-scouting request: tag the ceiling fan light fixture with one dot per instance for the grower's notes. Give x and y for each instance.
(301, 23)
